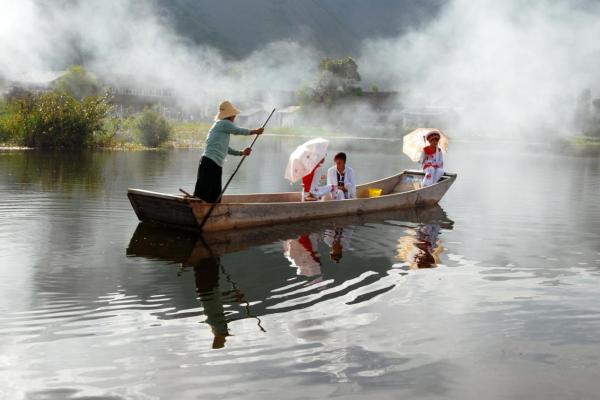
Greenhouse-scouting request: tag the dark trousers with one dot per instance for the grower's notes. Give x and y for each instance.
(208, 182)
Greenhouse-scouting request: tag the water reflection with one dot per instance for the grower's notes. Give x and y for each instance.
(206, 273)
(227, 292)
(80, 171)
(303, 254)
(421, 247)
(337, 239)
(55, 170)
(212, 280)
(303, 251)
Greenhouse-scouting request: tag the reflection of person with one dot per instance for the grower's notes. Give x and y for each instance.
(311, 184)
(427, 235)
(341, 176)
(423, 249)
(424, 259)
(335, 253)
(303, 254)
(337, 240)
(431, 160)
(206, 272)
(208, 183)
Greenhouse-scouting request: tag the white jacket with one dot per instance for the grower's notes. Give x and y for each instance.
(349, 180)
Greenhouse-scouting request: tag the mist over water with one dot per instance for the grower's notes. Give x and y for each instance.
(508, 68)
(512, 66)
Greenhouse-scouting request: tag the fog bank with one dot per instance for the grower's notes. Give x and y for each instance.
(513, 67)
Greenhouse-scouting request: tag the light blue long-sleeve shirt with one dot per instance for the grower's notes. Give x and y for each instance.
(217, 141)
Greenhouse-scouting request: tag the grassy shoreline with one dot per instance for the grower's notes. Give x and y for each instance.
(191, 135)
(581, 146)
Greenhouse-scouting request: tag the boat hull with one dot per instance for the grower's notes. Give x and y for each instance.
(254, 210)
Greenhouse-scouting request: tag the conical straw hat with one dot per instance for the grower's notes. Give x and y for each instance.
(226, 110)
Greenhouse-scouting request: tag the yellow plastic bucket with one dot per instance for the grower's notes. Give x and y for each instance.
(374, 192)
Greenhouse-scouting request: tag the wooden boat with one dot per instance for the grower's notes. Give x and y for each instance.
(237, 211)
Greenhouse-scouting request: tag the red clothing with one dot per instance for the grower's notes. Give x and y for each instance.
(429, 151)
(430, 157)
(307, 179)
(306, 243)
(304, 240)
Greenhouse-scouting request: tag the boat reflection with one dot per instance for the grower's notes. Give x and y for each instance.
(264, 282)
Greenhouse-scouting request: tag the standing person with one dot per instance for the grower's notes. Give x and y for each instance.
(431, 160)
(341, 176)
(210, 170)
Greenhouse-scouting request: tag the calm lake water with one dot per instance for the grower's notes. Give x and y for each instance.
(493, 295)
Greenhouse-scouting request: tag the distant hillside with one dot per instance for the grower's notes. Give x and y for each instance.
(337, 27)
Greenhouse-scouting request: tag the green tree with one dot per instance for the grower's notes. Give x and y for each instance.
(78, 82)
(593, 126)
(152, 128)
(55, 120)
(343, 71)
(337, 78)
(4, 122)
